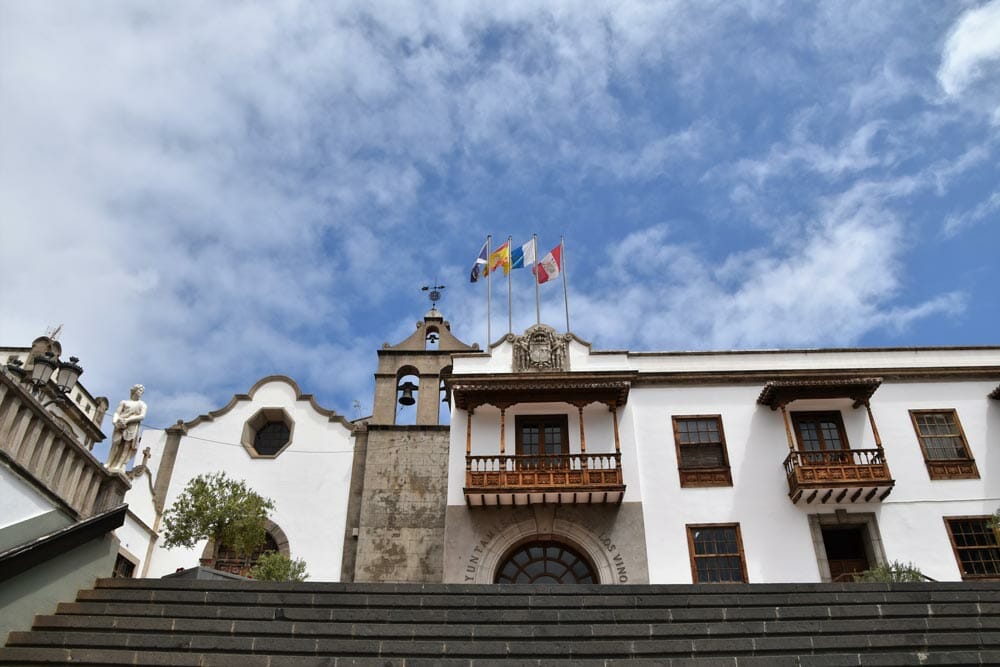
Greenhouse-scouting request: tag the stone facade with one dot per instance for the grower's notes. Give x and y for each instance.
(401, 526)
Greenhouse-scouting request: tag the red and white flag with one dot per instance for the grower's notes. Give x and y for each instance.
(548, 267)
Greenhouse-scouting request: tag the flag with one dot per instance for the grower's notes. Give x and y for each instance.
(523, 255)
(500, 258)
(549, 266)
(480, 261)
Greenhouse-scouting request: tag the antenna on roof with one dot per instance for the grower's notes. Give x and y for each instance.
(53, 333)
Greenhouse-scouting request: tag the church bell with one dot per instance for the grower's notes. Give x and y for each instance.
(407, 398)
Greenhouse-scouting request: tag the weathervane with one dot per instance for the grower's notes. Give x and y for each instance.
(435, 293)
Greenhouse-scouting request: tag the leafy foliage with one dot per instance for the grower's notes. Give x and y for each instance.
(891, 572)
(273, 566)
(218, 508)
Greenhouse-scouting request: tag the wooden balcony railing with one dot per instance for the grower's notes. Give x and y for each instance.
(862, 473)
(521, 479)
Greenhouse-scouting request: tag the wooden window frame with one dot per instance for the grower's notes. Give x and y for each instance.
(957, 550)
(695, 477)
(807, 415)
(946, 468)
(129, 558)
(691, 527)
(561, 420)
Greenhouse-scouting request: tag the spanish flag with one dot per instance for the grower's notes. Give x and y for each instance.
(499, 258)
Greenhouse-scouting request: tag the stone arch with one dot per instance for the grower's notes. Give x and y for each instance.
(526, 530)
(404, 374)
(432, 337)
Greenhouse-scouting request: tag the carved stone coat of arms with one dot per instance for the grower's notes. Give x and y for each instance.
(540, 349)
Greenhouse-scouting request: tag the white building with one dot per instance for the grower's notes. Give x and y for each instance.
(565, 463)
(771, 466)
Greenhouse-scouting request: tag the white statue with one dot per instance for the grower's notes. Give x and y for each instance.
(126, 420)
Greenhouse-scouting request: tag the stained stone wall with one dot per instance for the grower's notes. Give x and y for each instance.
(401, 526)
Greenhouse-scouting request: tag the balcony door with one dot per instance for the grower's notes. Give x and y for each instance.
(542, 441)
(819, 432)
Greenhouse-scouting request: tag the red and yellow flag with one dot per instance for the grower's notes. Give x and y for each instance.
(499, 258)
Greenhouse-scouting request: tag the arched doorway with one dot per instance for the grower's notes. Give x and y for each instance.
(545, 562)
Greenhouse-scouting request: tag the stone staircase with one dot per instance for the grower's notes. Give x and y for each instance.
(251, 624)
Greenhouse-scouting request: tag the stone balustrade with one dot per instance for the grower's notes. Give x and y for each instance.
(36, 445)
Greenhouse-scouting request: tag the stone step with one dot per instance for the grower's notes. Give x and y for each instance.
(102, 657)
(170, 622)
(85, 623)
(590, 647)
(534, 616)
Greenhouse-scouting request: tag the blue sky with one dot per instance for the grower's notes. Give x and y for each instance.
(204, 194)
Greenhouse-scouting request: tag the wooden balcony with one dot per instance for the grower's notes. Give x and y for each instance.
(502, 479)
(841, 476)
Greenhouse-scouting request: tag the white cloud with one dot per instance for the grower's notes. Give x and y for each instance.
(830, 285)
(971, 49)
(984, 210)
(853, 154)
(232, 189)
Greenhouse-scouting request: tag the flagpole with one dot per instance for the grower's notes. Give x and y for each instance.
(562, 256)
(510, 270)
(489, 276)
(538, 307)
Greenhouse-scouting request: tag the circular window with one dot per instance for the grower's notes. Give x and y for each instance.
(270, 438)
(545, 563)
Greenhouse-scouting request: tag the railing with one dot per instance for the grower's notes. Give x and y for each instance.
(856, 458)
(37, 446)
(543, 471)
(842, 469)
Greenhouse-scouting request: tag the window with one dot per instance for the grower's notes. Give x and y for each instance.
(943, 443)
(716, 553)
(270, 438)
(268, 433)
(702, 459)
(545, 563)
(819, 431)
(975, 545)
(124, 568)
(541, 439)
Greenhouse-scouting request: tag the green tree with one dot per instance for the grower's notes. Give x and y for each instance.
(273, 566)
(891, 572)
(218, 508)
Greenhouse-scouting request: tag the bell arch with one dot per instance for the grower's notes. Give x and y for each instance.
(416, 357)
(407, 395)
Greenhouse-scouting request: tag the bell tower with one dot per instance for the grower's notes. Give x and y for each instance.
(410, 373)
(399, 487)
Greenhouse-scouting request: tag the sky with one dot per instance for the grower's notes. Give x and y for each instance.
(203, 194)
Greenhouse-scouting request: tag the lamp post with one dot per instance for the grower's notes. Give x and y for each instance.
(45, 365)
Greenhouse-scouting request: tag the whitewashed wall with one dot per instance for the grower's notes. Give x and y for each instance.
(776, 533)
(309, 480)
